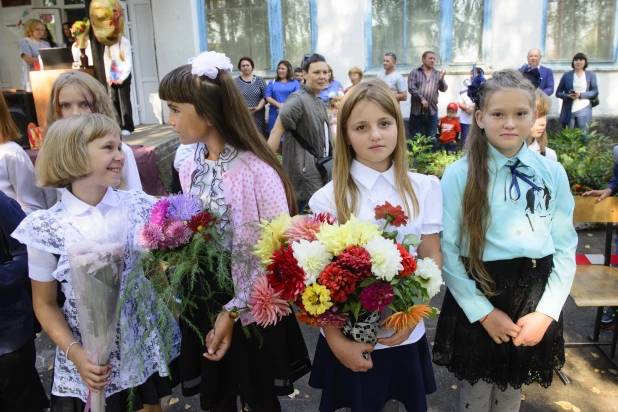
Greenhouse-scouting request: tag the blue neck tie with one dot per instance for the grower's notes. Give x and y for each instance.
(516, 174)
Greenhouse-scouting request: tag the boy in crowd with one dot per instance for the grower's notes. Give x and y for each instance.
(449, 129)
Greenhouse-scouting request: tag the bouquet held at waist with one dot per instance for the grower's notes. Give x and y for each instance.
(343, 275)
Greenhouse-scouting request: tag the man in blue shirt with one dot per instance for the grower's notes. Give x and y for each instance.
(20, 386)
(546, 80)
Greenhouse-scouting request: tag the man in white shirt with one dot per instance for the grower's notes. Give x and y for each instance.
(393, 78)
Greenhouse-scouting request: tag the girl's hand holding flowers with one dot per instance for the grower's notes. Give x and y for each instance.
(95, 377)
(350, 353)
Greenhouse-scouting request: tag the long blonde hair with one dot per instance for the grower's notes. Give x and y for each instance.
(93, 91)
(476, 213)
(8, 128)
(543, 106)
(377, 92)
(220, 102)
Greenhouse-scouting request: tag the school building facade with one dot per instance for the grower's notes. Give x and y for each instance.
(491, 33)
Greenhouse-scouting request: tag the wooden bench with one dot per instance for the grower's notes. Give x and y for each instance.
(596, 285)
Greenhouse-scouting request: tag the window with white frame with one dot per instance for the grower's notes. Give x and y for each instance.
(265, 30)
(410, 27)
(575, 26)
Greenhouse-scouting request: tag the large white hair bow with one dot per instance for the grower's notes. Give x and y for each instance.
(208, 63)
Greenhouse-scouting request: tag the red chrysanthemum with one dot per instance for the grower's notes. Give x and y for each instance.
(284, 274)
(408, 262)
(201, 221)
(394, 215)
(339, 281)
(357, 260)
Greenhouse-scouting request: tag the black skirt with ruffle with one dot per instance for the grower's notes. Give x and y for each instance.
(468, 351)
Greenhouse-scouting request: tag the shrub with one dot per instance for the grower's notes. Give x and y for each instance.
(586, 157)
(422, 158)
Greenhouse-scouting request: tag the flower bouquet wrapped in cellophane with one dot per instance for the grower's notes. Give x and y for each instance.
(97, 264)
(343, 275)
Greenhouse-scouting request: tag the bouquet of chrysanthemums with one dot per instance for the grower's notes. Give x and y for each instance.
(343, 275)
(182, 240)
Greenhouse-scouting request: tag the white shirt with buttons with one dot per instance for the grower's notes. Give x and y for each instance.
(375, 188)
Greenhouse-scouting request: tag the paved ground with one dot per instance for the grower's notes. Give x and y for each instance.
(594, 380)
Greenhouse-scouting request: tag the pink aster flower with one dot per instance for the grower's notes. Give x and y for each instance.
(377, 296)
(151, 237)
(303, 227)
(159, 212)
(176, 233)
(266, 305)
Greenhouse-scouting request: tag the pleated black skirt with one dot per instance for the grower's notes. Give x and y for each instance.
(468, 351)
(403, 373)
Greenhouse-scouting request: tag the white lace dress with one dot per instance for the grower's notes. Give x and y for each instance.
(147, 339)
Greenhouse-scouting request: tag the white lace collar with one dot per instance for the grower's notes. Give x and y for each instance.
(77, 207)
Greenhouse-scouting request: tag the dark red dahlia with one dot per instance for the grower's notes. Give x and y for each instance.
(201, 221)
(377, 296)
(357, 260)
(284, 274)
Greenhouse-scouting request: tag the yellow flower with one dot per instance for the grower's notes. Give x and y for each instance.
(316, 299)
(271, 237)
(353, 233)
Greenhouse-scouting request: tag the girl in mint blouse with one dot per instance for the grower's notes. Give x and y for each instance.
(509, 254)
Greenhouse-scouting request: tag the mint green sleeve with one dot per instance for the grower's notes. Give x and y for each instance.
(471, 300)
(564, 237)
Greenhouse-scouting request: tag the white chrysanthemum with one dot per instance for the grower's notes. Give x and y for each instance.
(312, 257)
(385, 258)
(429, 275)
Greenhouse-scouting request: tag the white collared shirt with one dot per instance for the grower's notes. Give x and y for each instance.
(580, 85)
(374, 189)
(549, 153)
(42, 264)
(17, 179)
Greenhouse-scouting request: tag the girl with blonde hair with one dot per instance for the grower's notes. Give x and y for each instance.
(371, 167)
(76, 93)
(537, 140)
(29, 50)
(82, 155)
(509, 254)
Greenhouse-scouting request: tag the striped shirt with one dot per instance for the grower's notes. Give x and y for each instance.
(423, 87)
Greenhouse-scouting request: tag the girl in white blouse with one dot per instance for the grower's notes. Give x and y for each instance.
(83, 155)
(17, 179)
(76, 93)
(370, 168)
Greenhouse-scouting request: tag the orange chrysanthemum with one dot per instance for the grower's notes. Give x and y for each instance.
(408, 262)
(409, 318)
(307, 319)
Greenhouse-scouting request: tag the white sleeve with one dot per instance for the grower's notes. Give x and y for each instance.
(551, 154)
(130, 173)
(323, 201)
(21, 175)
(432, 207)
(183, 152)
(107, 63)
(41, 264)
